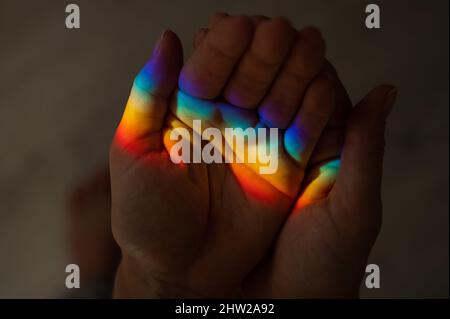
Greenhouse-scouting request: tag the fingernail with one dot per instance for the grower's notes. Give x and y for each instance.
(389, 101)
(158, 44)
(164, 34)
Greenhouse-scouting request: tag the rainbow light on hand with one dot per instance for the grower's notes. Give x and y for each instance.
(321, 185)
(148, 121)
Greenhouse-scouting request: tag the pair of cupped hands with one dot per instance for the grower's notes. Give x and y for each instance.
(224, 230)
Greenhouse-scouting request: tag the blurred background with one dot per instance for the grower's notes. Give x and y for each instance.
(62, 93)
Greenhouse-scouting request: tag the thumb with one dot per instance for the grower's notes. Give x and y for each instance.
(149, 98)
(357, 187)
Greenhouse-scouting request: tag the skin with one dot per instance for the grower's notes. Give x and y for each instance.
(203, 229)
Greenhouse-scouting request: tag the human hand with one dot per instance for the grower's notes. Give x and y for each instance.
(199, 229)
(323, 247)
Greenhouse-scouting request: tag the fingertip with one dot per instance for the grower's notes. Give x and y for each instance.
(311, 32)
(232, 34)
(380, 100)
(208, 69)
(216, 17)
(367, 120)
(282, 22)
(276, 26)
(380, 90)
(241, 23)
(258, 18)
(273, 39)
(389, 100)
(170, 43)
(314, 37)
(159, 74)
(199, 36)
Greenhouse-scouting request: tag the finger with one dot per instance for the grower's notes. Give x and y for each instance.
(324, 164)
(259, 65)
(303, 133)
(328, 147)
(258, 18)
(208, 69)
(319, 182)
(331, 141)
(149, 98)
(303, 64)
(199, 36)
(358, 185)
(215, 18)
(278, 169)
